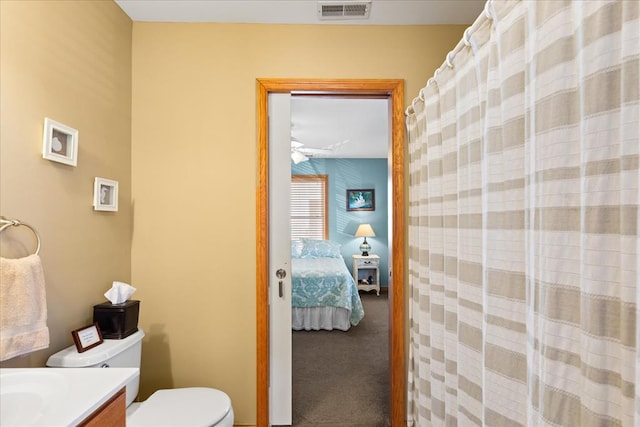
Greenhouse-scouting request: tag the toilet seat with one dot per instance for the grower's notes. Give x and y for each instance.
(191, 406)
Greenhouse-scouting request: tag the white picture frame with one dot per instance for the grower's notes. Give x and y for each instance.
(59, 143)
(105, 194)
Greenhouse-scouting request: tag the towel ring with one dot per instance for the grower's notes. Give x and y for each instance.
(15, 223)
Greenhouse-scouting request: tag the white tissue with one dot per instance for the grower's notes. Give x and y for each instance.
(119, 292)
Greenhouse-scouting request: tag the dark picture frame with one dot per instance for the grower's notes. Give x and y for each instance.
(361, 200)
(87, 337)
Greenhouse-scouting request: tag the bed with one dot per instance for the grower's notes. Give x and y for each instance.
(324, 294)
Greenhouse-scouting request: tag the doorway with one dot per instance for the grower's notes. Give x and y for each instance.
(394, 90)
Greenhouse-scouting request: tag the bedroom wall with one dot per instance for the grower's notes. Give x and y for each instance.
(70, 61)
(354, 174)
(194, 163)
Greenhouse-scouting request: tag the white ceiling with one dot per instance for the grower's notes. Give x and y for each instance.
(383, 12)
(350, 127)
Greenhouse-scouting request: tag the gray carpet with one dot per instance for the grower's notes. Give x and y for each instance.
(342, 378)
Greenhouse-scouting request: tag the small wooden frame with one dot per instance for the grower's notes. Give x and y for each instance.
(87, 337)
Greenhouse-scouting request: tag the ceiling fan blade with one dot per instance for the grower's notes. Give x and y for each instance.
(338, 144)
(298, 157)
(314, 150)
(300, 153)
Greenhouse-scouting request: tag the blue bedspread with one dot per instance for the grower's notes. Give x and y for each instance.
(321, 282)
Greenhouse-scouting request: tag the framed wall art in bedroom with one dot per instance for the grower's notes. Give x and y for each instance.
(361, 200)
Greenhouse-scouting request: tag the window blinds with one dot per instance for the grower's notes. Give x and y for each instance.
(309, 207)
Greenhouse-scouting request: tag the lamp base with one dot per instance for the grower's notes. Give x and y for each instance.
(365, 247)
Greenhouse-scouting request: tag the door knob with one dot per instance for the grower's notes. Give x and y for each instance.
(281, 274)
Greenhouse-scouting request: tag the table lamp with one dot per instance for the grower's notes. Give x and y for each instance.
(365, 230)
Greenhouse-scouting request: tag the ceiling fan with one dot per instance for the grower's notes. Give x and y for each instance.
(300, 154)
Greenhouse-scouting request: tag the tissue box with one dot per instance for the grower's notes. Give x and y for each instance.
(117, 321)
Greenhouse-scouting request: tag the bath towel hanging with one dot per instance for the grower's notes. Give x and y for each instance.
(23, 302)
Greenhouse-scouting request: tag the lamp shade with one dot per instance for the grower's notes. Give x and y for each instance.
(365, 230)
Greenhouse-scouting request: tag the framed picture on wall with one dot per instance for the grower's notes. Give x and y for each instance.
(105, 194)
(361, 200)
(60, 143)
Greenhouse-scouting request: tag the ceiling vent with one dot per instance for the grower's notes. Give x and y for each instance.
(344, 9)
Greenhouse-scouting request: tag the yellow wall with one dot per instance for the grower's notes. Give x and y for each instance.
(70, 61)
(169, 111)
(194, 177)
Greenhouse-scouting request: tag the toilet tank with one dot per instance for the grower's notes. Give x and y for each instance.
(112, 353)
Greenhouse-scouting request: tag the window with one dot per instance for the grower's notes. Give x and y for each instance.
(309, 207)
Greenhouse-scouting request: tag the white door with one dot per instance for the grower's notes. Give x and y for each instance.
(280, 395)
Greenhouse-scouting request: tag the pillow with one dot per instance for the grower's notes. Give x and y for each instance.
(320, 249)
(296, 248)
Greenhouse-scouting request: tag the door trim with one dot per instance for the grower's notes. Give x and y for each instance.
(393, 89)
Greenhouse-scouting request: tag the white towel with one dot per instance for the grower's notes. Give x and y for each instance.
(23, 307)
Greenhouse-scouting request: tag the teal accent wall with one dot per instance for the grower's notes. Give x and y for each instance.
(355, 174)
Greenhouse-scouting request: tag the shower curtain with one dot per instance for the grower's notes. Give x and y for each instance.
(523, 221)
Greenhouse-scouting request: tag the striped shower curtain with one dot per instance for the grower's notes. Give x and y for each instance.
(523, 221)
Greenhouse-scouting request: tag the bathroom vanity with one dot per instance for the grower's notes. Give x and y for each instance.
(64, 396)
(111, 414)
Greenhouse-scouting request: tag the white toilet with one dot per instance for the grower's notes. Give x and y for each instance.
(183, 407)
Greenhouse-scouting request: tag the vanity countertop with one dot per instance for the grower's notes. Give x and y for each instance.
(57, 396)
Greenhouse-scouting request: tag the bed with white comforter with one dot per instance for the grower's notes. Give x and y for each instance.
(324, 294)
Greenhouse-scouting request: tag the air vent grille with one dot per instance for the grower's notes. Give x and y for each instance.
(344, 10)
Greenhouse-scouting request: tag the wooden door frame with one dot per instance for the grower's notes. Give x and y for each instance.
(392, 89)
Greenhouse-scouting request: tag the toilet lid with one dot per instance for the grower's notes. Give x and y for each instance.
(193, 406)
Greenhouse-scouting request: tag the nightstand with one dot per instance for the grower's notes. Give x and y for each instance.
(366, 272)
